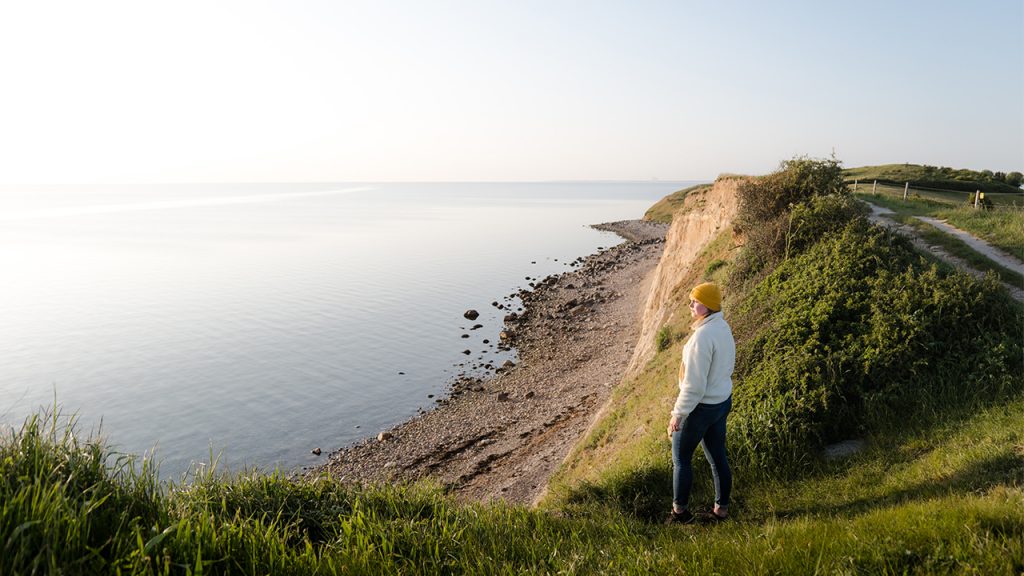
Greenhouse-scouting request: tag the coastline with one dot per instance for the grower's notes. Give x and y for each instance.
(502, 437)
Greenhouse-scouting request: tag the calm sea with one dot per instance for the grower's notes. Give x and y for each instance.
(260, 321)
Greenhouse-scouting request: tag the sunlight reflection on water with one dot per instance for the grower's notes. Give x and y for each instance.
(264, 320)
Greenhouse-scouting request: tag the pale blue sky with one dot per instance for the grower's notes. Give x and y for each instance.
(517, 90)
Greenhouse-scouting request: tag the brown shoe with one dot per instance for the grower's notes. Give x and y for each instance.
(684, 517)
(711, 517)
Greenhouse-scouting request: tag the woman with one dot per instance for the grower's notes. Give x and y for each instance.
(705, 398)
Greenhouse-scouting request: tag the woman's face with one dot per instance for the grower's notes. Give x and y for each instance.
(698, 310)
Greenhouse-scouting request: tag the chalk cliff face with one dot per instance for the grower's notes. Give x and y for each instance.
(704, 215)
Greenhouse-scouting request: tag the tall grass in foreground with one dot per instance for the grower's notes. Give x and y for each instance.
(68, 508)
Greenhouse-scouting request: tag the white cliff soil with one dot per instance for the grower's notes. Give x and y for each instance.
(705, 214)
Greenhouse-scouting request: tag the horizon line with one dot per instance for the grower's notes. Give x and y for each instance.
(248, 182)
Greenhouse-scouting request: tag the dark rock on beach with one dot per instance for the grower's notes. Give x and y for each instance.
(573, 341)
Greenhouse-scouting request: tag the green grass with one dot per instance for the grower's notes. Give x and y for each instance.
(960, 249)
(945, 500)
(664, 338)
(1002, 229)
(968, 452)
(663, 210)
(916, 199)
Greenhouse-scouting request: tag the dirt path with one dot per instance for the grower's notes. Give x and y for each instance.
(879, 216)
(503, 437)
(979, 245)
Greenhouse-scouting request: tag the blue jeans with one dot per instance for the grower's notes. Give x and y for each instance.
(704, 426)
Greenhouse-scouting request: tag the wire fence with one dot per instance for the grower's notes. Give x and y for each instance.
(977, 199)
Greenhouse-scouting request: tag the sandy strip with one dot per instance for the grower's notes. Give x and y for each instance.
(503, 437)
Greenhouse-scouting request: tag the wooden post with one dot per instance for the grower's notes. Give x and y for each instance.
(855, 185)
(874, 186)
(906, 187)
(977, 197)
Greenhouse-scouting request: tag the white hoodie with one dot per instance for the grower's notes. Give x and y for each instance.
(709, 357)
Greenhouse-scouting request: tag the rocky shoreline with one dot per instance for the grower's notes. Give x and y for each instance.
(502, 437)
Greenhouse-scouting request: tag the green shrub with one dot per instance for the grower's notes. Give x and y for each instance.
(765, 203)
(764, 199)
(860, 332)
(664, 338)
(845, 327)
(811, 221)
(713, 267)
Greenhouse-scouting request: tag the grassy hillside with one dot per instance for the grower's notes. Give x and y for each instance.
(840, 326)
(663, 209)
(936, 177)
(843, 332)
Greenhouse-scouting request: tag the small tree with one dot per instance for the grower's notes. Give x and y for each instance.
(765, 204)
(664, 338)
(1014, 179)
(796, 180)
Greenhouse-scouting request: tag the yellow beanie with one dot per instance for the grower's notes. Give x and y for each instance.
(709, 295)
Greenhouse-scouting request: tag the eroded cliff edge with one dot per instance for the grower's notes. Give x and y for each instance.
(704, 215)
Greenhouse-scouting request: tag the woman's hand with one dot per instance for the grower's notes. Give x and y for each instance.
(673, 425)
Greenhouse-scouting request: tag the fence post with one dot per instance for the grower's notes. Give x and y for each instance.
(855, 185)
(874, 186)
(977, 197)
(906, 187)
